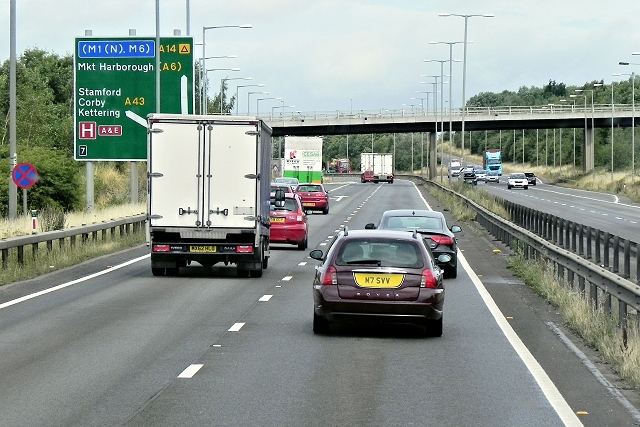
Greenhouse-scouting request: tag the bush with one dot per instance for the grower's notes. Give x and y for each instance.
(52, 218)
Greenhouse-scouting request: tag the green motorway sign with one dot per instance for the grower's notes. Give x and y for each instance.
(115, 89)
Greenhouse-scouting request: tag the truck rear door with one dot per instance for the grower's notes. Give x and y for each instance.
(203, 174)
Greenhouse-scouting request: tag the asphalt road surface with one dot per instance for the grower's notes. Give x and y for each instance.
(113, 345)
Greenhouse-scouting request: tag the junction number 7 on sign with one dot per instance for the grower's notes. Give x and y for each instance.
(114, 86)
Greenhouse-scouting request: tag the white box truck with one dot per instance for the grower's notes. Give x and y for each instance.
(303, 158)
(208, 200)
(376, 167)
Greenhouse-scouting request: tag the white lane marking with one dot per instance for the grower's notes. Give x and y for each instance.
(190, 371)
(596, 372)
(286, 278)
(303, 263)
(547, 386)
(265, 298)
(549, 389)
(323, 244)
(73, 282)
(236, 327)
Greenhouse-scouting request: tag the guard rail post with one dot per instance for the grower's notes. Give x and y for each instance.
(581, 240)
(597, 247)
(616, 253)
(627, 259)
(589, 252)
(606, 249)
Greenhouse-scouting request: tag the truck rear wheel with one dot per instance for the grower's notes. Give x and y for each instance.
(242, 272)
(256, 273)
(157, 271)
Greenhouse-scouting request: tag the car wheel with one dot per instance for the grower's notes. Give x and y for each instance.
(303, 244)
(326, 211)
(534, 183)
(242, 272)
(265, 262)
(433, 328)
(157, 271)
(320, 325)
(256, 273)
(451, 273)
(391, 182)
(526, 187)
(508, 187)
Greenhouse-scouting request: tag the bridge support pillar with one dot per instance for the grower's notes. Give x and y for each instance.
(588, 150)
(433, 160)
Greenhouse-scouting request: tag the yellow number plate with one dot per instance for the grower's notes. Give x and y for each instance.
(308, 204)
(277, 219)
(367, 280)
(193, 248)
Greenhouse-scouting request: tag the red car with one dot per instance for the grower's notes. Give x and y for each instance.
(314, 197)
(289, 222)
(367, 176)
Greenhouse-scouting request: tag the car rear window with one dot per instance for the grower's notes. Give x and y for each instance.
(413, 223)
(309, 188)
(391, 253)
(290, 205)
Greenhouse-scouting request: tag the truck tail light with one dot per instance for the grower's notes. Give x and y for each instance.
(329, 276)
(161, 248)
(428, 280)
(244, 249)
(442, 240)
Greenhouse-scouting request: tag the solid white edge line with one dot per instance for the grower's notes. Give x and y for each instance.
(236, 327)
(190, 371)
(596, 372)
(562, 408)
(73, 282)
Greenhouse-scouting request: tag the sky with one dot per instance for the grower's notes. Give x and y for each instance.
(349, 55)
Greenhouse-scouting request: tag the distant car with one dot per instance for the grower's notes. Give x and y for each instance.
(432, 225)
(284, 180)
(313, 197)
(367, 176)
(288, 188)
(470, 177)
(481, 174)
(492, 176)
(531, 178)
(517, 180)
(454, 169)
(289, 222)
(377, 275)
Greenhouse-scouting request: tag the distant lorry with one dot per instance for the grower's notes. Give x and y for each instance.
(208, 192)
(303, 158)
(492, 160)
(376, 167)
(339, 166)
(454, 169)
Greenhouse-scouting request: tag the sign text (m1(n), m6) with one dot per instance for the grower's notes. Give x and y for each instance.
(114, 85)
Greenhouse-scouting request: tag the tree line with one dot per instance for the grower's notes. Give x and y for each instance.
(45, 123)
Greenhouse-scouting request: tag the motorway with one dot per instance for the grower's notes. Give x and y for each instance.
(108, 344)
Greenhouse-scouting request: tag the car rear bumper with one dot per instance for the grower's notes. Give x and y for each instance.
(330, 306)
(287, 234)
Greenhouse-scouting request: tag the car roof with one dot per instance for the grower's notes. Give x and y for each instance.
(413, 212)
(366, 234)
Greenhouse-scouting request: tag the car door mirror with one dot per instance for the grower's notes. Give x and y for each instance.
(455, 229)
(316, 254)
(370, 226)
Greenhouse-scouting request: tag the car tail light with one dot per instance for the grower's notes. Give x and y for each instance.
(161, 248)
(442, 240)
(329, 276)
(428, 280)
(299, 218)
(244, 249)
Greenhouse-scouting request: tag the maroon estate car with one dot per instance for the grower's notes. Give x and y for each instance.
(289, 222)
(314, 197)
(377, 275)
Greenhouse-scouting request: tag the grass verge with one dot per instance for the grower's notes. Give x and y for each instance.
(600, 330)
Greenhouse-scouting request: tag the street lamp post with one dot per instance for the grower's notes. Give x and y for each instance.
(204, 44)
(206, 86)
(237, 88)
(201, 64)
(464, 65)
(584, 155)
(249, 98)
(262, 99)
(222, 88)
(450, 88)
(633, 119)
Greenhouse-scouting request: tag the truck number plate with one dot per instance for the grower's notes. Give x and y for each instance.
(200, 248)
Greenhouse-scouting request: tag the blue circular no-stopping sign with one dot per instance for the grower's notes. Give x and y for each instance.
(24, 175)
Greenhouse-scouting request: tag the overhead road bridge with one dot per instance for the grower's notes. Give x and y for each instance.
(475, 119)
